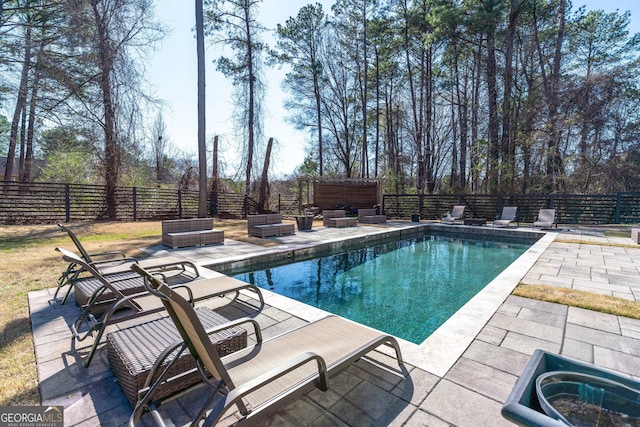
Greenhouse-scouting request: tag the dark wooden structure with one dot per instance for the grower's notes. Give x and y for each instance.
(351, 194)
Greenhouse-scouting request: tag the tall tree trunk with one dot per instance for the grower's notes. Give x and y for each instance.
(492, 88)
(318, 99)
(111, 148)
(429, 115)
(28, 155)
(507, 175)
(416, 101)
(263, 193)
(20, 104)
(365, 93)
(251, 111)
(554, 160)
(461, 100)
(23, 141)
(453, 180)
(551, 82)
(202, 127)
(377, 142)
(215, 178)
(475, 148)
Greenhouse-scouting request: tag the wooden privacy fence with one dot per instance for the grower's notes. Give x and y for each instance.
(22, 203)
(44, 203)
(32, 203)
(589, 209)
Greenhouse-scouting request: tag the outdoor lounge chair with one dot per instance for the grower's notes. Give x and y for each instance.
(508, 216)
(116, 262)
(264, 377)
(545, 219)
(455, 215)
(97, 314)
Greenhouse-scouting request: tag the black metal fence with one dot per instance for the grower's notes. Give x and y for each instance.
(45, 203)
(589, 209)
(33, 203)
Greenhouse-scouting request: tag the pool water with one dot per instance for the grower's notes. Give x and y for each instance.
(407, 288)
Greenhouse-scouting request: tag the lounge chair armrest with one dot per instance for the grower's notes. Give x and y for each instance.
(237, 322)
(115, 261)
(118, 254)
(289, 366)
(161, 268)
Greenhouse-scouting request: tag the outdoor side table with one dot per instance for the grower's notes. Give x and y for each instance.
(132, 351)
(305, 222)
(475, 221)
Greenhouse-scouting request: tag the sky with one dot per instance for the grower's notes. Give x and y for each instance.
(172, 76)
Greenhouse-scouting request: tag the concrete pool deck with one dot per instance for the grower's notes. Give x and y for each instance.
(461, 375)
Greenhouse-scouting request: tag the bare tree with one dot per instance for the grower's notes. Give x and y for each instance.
(234, 24)
(551, 79)
(299, 44)
(109, 32)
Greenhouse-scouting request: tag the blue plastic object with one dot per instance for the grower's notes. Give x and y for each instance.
(556, 389)
(523, 406)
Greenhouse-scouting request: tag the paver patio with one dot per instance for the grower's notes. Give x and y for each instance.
(465, 386)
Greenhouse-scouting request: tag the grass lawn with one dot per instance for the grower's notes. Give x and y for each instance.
(29, 263)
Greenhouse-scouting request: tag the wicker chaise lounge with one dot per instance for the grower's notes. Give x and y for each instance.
(117, 263)
(265, 376)
(97, 314)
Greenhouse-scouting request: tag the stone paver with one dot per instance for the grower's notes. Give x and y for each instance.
(372, 391)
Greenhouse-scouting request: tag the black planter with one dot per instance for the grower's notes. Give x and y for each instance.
(305, 222)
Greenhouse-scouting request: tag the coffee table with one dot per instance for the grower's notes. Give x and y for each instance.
(475, 221)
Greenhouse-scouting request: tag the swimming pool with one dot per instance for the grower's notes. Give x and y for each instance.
(406, 288)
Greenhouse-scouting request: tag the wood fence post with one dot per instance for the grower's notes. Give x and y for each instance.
(67, 203)
(135, 203)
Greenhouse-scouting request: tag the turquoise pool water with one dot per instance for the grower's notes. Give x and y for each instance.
(406, 288)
